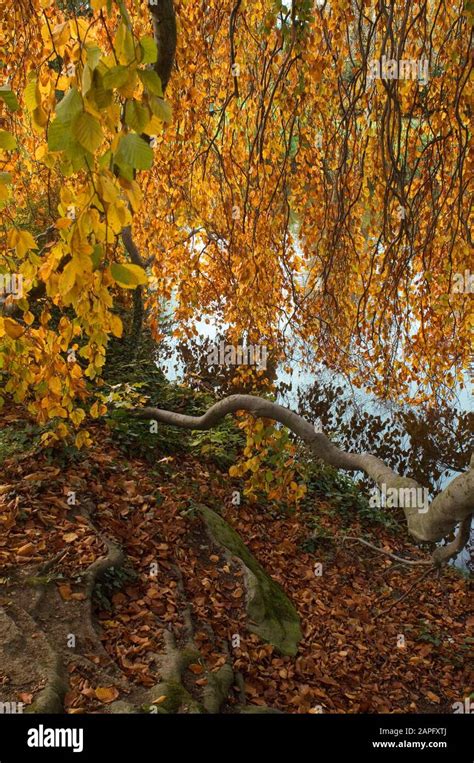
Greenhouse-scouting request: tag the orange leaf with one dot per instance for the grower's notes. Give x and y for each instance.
(26, 698)
(25, 550)
(12, 328)
(195, 668)
(65, 591)
(106, 693)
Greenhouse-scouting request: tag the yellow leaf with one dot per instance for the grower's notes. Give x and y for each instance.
(135, 196)
(68, 277)
(25, 241)
(55, 385)
(116, 325)
(118, 217)
(12, 328)
(63, 222)
(83, 439)
(61, 430)
(129, 276)
(21, 240)
(77, 416)
(154, 126)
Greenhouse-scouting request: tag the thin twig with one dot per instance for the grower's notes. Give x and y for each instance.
(415, 584)
(387, 553)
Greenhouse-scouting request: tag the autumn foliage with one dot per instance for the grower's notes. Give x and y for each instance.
(278, 184)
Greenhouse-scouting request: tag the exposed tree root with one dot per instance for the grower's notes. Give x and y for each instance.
(60, 628)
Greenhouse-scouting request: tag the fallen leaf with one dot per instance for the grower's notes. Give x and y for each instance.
(25, 550)
(106, 693)
(159, 700)
(65, 592)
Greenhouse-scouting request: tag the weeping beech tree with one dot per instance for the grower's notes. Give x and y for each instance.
(309, 169)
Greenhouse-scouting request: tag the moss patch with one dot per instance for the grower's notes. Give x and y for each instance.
(273, 617)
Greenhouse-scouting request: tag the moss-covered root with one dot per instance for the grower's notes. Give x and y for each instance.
(174, 698)
(51, 699)
(173, 695)
(272, 615)
(217, 689)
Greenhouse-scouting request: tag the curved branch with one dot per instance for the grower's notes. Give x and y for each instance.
(432, 523)
(444, 553)
(387, 553)
(131, 247)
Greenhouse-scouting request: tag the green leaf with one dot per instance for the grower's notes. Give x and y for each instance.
(59, 136)
(149, 50)
(9, 98)
(136, 115)
(93, 56)
(134, 151)
(80, 159)
(86, 79)
(88, 131)
(468, 11)
(116, 77)
(151, 81)
(128, 276)
(101, 97)
(7, 141)
(124, 46)
(125, 170)
(161, 109)
(5, 178)
(104, 160)
(97, 256)
(69, 106)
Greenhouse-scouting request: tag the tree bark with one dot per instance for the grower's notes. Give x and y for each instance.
(164, 27)
(165, 33)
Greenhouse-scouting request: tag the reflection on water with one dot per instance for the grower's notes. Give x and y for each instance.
(432, 446)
